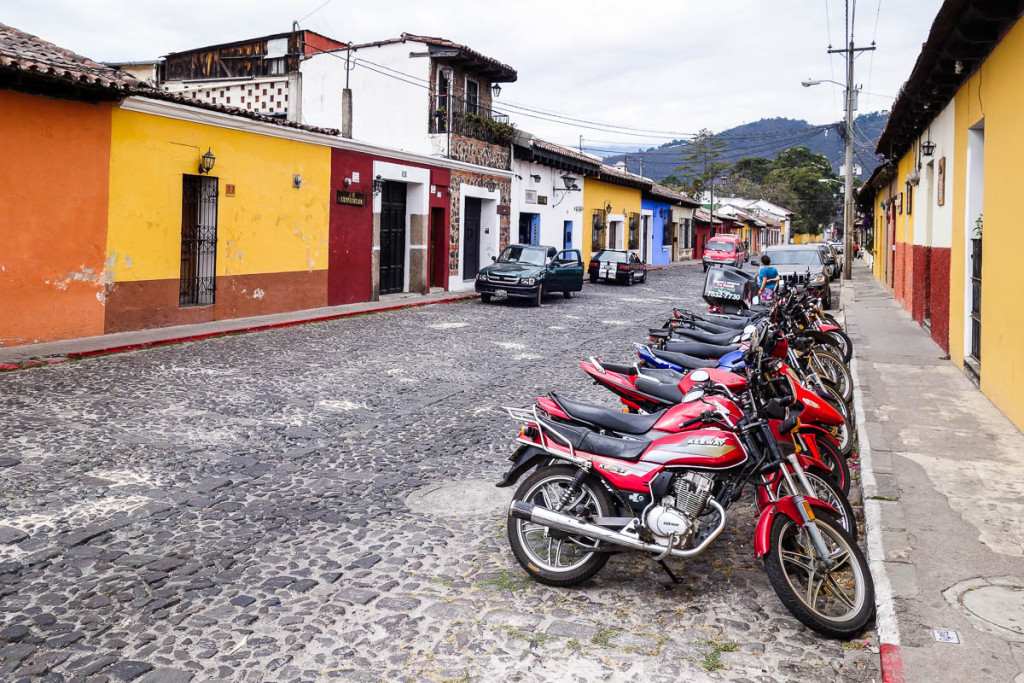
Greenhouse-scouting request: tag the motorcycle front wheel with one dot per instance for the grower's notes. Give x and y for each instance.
(833, 367)
(827, 491)
(834, 599)
(551, 556)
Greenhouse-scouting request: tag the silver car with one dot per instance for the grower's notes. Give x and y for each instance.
(803, 265)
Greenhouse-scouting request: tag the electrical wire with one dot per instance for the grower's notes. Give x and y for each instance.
(325, 4)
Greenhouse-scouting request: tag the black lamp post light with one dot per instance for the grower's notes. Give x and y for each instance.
(378, 185)
(207, 161)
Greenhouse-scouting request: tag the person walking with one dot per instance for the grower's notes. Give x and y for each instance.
(767, 278)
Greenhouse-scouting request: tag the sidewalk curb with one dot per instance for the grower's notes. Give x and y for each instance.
(890, 656)
(122, 348)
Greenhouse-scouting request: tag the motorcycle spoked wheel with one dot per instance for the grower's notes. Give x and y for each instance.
(825, 490)
(845, 344)
(844, 437)
(832, 457)
(836, 602)
(833, 367)
(835, 399)
(548, 555)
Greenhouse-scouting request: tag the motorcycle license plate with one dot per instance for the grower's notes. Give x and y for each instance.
(501, 293)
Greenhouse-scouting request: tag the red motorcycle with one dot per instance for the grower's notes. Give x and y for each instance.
(592, 494)
(644, 390)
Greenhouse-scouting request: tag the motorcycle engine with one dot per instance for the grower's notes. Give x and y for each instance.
(675, 520)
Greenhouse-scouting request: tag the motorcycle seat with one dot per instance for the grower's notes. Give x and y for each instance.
(589, 441)
(664, 376)
(664, 391)
(699, 349)
(707, 337)
(599, 416)
(683, 360)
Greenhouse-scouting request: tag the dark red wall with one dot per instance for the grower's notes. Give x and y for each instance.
(349, 279)
(939, 295)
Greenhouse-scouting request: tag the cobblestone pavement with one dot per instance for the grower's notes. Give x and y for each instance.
(317, 503)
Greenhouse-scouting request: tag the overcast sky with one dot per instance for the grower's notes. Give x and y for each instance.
(672, 66)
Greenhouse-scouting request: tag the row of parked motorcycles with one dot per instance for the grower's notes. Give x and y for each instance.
(740, 397)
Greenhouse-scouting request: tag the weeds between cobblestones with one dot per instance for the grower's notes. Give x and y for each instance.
(274, 507)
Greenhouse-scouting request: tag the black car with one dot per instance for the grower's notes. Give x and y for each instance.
(527, 271)
(619, 265)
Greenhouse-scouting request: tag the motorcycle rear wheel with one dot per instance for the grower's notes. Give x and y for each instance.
(833, 367)
(550, 556)
(845, 344)
(836, 602)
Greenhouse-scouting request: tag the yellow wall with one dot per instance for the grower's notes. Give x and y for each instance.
(905, 221)
(995, 96)
(596, 194)
(267, 227)
(804, 238)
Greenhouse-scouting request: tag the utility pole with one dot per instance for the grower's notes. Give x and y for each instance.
(851, 52)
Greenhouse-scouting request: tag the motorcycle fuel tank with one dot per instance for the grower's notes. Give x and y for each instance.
(676, 415)
(703, 448)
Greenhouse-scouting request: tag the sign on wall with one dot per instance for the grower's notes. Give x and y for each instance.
(941, 193)
(351, 198)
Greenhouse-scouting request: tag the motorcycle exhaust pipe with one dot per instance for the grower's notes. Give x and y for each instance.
(557, 520)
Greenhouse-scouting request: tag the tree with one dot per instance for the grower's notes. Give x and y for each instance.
(700, 162)
(672, 181)
(752, 169)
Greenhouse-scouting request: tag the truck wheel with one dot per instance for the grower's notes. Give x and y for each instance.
(485, 298)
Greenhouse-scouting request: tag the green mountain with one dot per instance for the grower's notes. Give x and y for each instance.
(766, 138)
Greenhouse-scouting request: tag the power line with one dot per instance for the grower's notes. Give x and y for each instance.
(325, 4)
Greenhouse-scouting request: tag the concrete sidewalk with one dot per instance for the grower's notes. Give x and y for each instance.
(943, 475)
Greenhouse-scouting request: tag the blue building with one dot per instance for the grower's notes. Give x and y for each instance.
(668, 217)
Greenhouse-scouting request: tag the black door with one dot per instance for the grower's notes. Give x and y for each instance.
(524, 228)
(392, 238)
(471, 248)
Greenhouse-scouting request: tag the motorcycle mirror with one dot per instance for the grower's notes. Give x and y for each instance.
(692, 396)
(699, 376)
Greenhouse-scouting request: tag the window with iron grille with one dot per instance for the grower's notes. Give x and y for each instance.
(667, 232)
(197, 283)
(688, 233)
(634, 231)
(599, 226)
(472, 97)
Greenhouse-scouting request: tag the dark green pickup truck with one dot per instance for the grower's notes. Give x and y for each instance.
(527, 271)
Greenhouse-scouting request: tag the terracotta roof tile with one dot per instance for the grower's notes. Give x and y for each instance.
(28, 54)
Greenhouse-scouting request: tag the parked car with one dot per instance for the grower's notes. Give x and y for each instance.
(833, 261)
(616, 264)
(838, 246)
(724, 249)
(524, 271)
(802, 265)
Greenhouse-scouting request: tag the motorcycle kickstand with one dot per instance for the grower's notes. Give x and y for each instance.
(671, 574)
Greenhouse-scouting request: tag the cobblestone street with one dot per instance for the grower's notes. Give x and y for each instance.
(317, 503)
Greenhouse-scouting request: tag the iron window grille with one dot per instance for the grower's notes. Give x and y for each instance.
(634, 231)
(197, 283)
(599, 222)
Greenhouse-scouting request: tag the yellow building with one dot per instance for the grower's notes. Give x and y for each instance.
(248, 237)
(945, 205)
(612, 210)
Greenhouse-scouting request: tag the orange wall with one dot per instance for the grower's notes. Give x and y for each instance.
(53, 217)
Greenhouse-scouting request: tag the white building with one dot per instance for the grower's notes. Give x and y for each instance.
(547, 193)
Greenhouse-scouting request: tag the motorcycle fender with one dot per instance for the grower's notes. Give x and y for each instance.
(784, 506)
(821, 337)
(808, 462)
(526, 458)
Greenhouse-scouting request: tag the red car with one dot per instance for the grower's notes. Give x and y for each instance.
(726, 250)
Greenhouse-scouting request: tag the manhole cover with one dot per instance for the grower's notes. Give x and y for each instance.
(999, 605)
(993, 605)
(466, 498)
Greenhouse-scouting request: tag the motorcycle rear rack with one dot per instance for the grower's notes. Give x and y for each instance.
(547, 434)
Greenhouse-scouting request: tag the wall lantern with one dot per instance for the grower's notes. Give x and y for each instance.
(535, 177)
(378, 185)
(495, 89)
(607, 207)
(207, 161)
(491, 185)
(663, 212)
(570, 184)
(928, 148)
